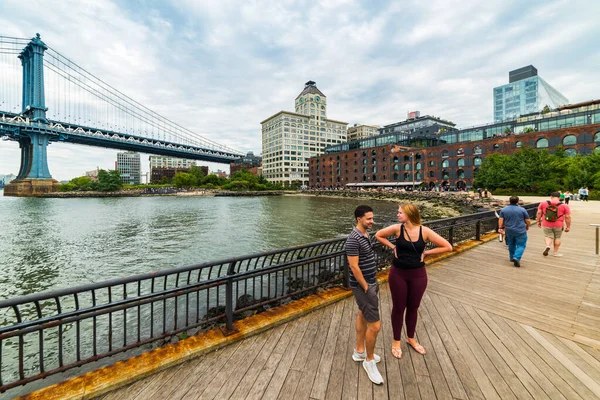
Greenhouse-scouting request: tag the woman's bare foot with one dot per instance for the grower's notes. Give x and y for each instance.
(415, 345)
(396, 349)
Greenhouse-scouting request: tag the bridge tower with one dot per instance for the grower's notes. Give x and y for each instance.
(34, 176)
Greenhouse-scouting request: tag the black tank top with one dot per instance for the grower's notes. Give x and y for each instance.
(409, 254)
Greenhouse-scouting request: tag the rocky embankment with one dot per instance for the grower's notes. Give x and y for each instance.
(433, 205)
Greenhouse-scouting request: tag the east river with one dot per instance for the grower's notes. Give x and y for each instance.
(47, 244)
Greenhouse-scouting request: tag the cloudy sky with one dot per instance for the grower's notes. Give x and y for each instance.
(221, 67)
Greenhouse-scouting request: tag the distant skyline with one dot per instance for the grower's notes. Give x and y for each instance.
(221, 67)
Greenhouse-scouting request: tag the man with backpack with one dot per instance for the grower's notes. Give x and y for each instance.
(555, 218)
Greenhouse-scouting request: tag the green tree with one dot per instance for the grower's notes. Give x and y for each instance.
(184, 180)
(546, 109)
(198, 174)
(109, 181)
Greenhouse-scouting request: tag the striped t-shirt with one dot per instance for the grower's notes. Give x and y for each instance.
(359, 245)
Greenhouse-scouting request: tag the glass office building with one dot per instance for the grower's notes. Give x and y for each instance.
(526, 93)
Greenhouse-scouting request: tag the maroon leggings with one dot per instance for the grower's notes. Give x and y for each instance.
(407, 287)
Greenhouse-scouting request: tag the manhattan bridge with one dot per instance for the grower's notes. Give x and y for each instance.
(45, 97)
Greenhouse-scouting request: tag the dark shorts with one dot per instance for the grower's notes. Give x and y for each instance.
(368, 302)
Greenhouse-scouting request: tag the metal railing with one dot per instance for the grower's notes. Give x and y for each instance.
(47, 333)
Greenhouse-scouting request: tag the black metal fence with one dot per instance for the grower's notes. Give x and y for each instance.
(48, 333)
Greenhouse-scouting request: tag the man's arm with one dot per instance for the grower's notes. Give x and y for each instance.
(568, 222)
(538, 216)
(353, 263)
(501, 224)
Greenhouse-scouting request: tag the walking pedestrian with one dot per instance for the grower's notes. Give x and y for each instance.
(586, 193)
(408, 278)
(555, 218)
(363, 282)
(568, 196)
(514, 220)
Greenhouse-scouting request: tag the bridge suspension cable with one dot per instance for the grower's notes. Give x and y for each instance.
(75, 96)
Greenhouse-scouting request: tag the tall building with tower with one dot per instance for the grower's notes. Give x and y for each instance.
(526, 93)
(128, 164)
(289, 139)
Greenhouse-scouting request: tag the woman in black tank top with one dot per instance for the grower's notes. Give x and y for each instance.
(407, 277)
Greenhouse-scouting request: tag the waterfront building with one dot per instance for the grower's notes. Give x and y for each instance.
(93, 174)
(249, 162)
(451, 159)
(361, 132)
(290, 139)
(526, 93)
(170, 162)
(128, 164)
(419, 126)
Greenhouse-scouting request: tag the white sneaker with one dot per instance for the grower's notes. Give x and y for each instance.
(373, 372)
(356, 356)
(557, 255)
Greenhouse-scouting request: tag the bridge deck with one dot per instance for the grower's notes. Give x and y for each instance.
(491, 330)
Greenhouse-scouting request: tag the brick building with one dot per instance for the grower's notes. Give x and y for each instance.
(453, 159)
(249, 162)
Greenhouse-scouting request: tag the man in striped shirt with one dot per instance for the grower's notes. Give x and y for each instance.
(363, 282)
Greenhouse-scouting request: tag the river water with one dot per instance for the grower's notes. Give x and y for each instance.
(47, 244)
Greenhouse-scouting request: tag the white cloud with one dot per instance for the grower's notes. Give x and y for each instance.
(221, 67)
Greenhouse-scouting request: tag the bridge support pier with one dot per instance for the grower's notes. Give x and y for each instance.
(34, 176)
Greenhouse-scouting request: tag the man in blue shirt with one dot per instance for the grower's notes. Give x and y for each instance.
(514, 221)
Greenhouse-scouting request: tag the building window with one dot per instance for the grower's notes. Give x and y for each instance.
(445, 164)
(460, 162)
(496, 147)
(571, 152)
(374, 152)
(364, 170)
(374, 170)
(374, 178)
(460, 174)
(396, 175)
(407, 167)
(597, 149)
(406, 176)
(597, 137)
(445, 153)
(541, 143)
(518, 145)
(477, 161)
(374, 161)
(460, 152)
(431, 174)
(419, 177)
(395, 159)
(418, 166)
(406, 158)
(432, 163)
(445, 175)
(569, 140)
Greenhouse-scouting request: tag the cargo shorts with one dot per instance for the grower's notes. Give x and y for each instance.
(368, 302)
(553, 233)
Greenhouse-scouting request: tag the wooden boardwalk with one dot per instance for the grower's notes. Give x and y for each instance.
(492, 331)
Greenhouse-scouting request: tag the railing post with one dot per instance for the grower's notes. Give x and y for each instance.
(345, 270)
(478, 230)
(229, 296)
(597, 237)
(451, 235)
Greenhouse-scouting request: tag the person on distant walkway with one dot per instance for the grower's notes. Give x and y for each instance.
(408, 278)
(363, 282)
(514, 220)
(586, 193)
(555, 218)
(561, 196)
(568, 196)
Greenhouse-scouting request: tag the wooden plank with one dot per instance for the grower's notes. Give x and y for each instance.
(591, 351)
(560, 369)
(243, 368)
(307, 341)
(264, 377)
(280, 374)
(200, 376)
(351, 372)
(459, 362)
(449, 375)
(309, 371)
(335, 384)
(491, 363)
(466, 350)
(554, 348)
(513, 363)
(508, 375)
(290, 384)
(243, 352)
(265, 355)
(325, 364)
(552, 383)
